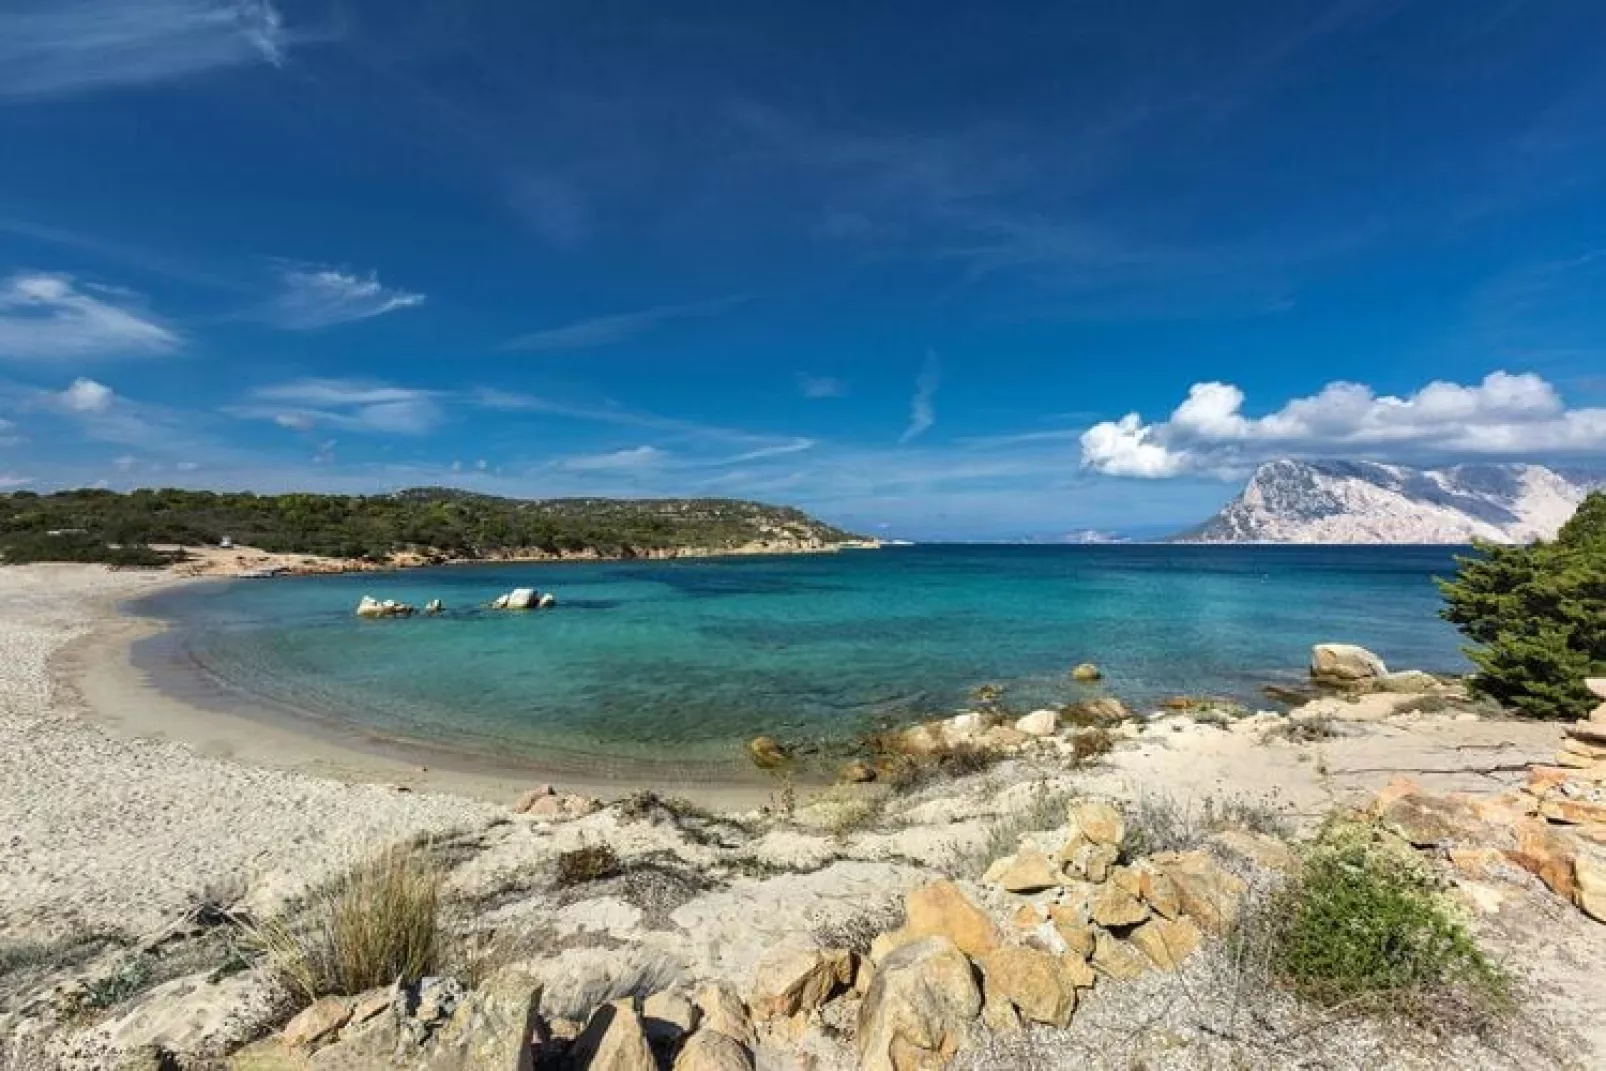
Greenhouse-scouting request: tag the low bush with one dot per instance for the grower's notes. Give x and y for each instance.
(371, 926)
(588, 863)
(1361, 924)
(857, 931)
(1090, 744)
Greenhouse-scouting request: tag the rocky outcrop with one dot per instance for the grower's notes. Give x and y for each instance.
(524, 599)
(1554, 828)
(793, 978)
(920, 1009)
(1345, 664)
(370, 607)
(546, 804)
(941, 909)
(1362, 502)
(614, 1040)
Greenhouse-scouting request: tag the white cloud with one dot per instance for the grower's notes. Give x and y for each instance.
(1504, 415)
(820, 386)
(48, 317)
(922, 413)
(87, 396)
(640, 457)
(59, 47)
(314, 297)
(347, 404)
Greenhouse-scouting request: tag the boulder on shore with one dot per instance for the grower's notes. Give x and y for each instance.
(1345, 663)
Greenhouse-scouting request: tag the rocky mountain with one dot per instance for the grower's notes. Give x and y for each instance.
(1364, 502)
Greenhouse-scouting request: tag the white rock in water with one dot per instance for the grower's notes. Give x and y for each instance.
(547, 600)
(370, 607)
(520, 598)
(499, 603)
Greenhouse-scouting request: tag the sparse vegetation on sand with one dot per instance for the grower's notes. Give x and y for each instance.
(375, 924)
(1159, 822)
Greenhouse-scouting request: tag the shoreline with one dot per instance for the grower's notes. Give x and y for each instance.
(248, 562)
(99, 671)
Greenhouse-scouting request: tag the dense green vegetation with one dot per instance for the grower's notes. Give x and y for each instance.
(1537, 615)
(93, 525)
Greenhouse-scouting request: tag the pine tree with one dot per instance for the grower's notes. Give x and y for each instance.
(1537, 616)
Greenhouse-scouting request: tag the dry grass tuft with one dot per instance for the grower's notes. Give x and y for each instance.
(370, 927)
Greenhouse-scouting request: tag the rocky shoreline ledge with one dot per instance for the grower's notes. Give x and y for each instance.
(1078, 889)
(235, 561)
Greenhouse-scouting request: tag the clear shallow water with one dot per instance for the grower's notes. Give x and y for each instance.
(675, 661)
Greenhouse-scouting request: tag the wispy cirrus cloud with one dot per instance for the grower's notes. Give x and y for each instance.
(922, 407)
(52, 48)
(314, 296)
(1505, 415)
(634, 458)
(346, 404)
(616, 328)
(46, 316)
(820, 386)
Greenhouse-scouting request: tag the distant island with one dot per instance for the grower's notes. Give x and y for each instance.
(417, 526)
(1292, 501)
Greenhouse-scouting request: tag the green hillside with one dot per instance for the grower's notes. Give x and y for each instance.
(93, 525)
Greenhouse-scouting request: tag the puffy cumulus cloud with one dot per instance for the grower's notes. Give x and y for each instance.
(1504, 415)
(357, 405)
(46, 316)
(314, 297)
(87, 396)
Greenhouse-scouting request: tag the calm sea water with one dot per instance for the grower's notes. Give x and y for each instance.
(677, 660)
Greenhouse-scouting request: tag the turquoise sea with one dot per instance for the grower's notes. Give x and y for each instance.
(676, 662)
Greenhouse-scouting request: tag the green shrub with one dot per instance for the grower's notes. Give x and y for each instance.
(1537, 616)
(1361, 924)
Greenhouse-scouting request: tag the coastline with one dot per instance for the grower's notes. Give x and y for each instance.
(99, 670)
(242, 561)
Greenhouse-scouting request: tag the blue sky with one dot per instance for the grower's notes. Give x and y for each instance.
(973, 270)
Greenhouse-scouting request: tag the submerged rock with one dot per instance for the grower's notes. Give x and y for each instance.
(767, 753)
(1086, 673)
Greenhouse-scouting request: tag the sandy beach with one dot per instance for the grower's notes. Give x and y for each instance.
(124, 807)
